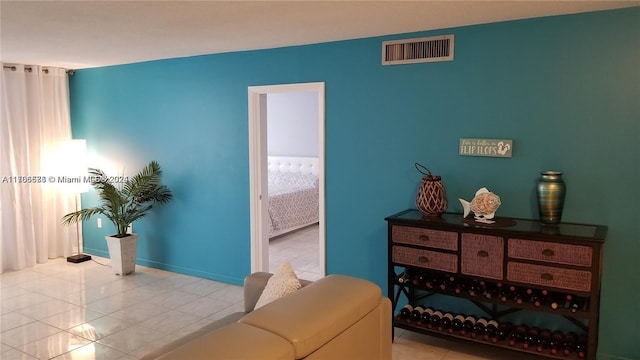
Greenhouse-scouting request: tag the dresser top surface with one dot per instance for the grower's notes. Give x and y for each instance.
(508, 226)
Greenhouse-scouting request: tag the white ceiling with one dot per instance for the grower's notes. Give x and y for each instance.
(82, 34)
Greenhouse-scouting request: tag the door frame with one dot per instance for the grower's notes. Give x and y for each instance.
(258, 170)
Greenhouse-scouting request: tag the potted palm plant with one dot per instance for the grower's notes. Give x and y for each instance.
(124, 202)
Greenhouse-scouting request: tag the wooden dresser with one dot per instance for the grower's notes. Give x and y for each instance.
(516, 264)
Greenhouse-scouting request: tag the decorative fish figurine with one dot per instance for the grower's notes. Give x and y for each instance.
(483, 205)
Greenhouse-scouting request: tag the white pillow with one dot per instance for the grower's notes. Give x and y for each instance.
(283, 282)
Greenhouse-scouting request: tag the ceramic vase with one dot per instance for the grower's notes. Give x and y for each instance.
(551, 191)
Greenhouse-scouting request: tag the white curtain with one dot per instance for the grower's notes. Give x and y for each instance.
(34, 122)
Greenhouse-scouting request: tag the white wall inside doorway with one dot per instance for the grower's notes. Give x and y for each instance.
(292, 126)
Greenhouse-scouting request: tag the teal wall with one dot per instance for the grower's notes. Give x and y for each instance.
(564, 89)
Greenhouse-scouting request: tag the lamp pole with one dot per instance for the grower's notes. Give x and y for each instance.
(76, 149)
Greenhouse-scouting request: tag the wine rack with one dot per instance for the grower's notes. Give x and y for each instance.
(501, 268)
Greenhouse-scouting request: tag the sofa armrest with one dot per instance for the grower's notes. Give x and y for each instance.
(254, 284)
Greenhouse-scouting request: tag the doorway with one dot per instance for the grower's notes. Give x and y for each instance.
(258, 160)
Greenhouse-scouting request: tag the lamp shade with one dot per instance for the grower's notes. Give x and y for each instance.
(73, 164)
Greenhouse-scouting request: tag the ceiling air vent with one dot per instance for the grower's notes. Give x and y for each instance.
(411, 51)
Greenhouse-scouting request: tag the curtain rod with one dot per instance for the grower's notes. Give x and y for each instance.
(30, 69)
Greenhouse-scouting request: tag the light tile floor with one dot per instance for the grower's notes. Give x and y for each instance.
(60, 310)
(301, 248)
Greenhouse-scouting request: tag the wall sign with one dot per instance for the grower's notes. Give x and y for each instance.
(486, 147)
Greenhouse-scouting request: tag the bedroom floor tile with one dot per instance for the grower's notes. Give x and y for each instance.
(301, 248)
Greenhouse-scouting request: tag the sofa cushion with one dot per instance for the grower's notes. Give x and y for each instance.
(282, 283)
(234, 342)
(318, 312)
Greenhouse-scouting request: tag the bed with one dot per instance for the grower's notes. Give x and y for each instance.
(293, 193)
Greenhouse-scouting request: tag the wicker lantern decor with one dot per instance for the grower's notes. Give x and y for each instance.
(432, 196)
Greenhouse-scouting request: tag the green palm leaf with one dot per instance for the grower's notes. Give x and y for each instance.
(125, 203)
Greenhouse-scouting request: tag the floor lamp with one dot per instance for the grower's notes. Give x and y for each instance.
(74, 157)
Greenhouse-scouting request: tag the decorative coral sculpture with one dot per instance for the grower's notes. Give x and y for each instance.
(483, 205)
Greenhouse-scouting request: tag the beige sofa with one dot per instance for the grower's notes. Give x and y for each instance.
(336, 317)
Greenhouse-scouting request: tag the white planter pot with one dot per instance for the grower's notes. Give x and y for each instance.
(122, 252)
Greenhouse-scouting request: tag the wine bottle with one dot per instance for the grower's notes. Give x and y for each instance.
(504, 329)
(555, 344)
(529, 291)
(492, 291)
(569, 343)
(578, 303)
(531, 338)
(431, 282)
(555, 300)
(534, 298)
(480, 326)
(491, 330)
(541, 298)
(468, 324)
(574, 305)
(528, 296)
(436, 319)
(412, 275)
(567, 302)
(519, 296)
(417, 278)
(507, 292)
(402, 278)
(444, 283)
(447, 322)
(460, 287)
(473, 288)
(451, 280)
(416, 314)
(581, 346)
(456, 323)
(426, 316)
(518, 334)
(482, 287)
(544, 338)
(405, 312)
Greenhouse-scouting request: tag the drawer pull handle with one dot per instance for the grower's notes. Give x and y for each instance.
(483, 253)
(548, 252)
(423, 237)
(423, 259)
(547, 276)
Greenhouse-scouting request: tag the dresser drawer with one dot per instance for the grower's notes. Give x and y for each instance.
(550, 252)
(425, 258)
(568, 279)
(482, 255)
(424, 237)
